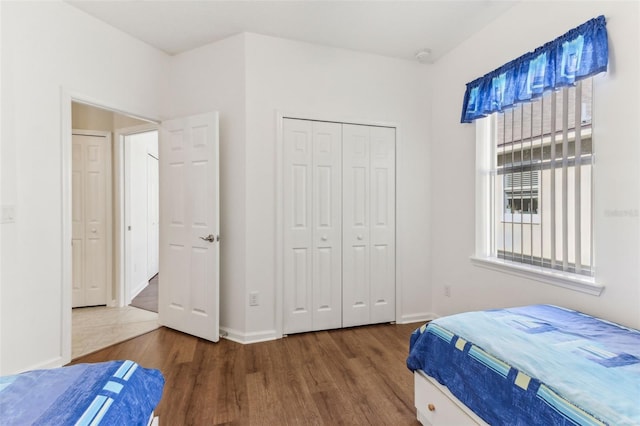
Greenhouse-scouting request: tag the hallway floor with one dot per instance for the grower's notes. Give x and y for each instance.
(97, 327)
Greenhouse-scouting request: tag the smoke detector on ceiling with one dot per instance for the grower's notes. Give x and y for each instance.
(423, 55)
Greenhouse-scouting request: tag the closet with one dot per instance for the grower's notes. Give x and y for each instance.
(339, 225)
(90, 217)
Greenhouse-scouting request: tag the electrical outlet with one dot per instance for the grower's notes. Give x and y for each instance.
(447, 290)
(8, 214)
(253, 298)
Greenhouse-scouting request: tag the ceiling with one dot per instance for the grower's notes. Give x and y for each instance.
(391, 28)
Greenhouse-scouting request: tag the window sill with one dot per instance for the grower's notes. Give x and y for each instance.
(561, 279)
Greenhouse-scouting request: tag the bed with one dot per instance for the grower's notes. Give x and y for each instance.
(531, 365)
(107, 393)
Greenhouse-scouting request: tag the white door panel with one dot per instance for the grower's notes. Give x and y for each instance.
(298, 242)
(356, 246)
(189, 213)
(312, 244)
(90, 201)
(152, 216)
(369, 225)
(77, 221)
(327, 229)
(383, 224)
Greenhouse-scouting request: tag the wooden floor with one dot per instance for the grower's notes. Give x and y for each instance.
(353, 376)
(147, 299)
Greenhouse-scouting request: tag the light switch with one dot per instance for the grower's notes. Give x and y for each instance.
(8, 214)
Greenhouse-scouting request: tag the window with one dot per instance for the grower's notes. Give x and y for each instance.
(534, 159)
(541, 181)
(520, 195)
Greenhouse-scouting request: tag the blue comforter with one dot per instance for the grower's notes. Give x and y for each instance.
(534, 365)
(109, 393)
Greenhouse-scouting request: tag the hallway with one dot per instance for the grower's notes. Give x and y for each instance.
(94, 328)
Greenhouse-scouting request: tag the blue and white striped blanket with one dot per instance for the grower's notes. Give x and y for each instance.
(108, 393)
(534, 365)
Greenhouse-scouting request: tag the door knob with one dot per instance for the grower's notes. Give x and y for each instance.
(324, 238)
(209, 238)
(359, 237)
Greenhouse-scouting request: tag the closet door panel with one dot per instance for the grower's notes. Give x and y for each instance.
(77, 223)
(339, 220)
(90, 236)
(383, 224)
(298, 225)
(327, 229)
(356, 225)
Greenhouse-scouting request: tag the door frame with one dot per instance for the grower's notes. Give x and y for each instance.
(122, 243)
(279, 238)
(109, 206)
(66, 98)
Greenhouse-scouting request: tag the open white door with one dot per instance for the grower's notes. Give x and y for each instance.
(189, 226)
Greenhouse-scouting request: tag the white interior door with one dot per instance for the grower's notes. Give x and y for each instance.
(153, 216)
(90, 219)
(141, 218)
(312, 220)
(136, 177)
(368, 288)
(189, 226)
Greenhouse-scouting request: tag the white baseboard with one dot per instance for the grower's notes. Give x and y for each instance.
(247, 338)
(141, 286)
(51, 363)
(264, 336)
(420, 317)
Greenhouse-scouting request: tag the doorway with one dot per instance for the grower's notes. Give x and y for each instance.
(141, 227)
(107, 319)
(189, 258)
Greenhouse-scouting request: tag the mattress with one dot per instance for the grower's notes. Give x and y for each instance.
(109, 393)
(538, 364)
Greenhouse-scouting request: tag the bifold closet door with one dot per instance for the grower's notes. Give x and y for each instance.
(368, 221)
(312, 223)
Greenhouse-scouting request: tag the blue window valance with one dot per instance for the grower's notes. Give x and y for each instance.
(578, 54)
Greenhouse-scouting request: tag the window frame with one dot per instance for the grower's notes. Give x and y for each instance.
(485, 238)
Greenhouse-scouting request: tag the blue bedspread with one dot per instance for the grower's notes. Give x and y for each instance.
(534, 365)
(109, 393)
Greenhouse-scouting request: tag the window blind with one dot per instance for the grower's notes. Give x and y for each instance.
(542, 182)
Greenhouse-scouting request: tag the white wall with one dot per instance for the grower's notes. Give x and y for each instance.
(48, 46)
(295, 77)
(616, 171)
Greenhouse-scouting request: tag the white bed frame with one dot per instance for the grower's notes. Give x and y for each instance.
(153, 420)
(437, 406)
